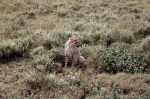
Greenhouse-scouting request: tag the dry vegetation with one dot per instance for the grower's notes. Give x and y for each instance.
(114, 37)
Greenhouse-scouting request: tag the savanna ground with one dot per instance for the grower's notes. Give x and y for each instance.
(114, 37)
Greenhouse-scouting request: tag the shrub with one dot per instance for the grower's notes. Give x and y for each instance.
(59, 38)
(145, 45)
(39, 39)
(45, 64)
(45, 9)
(76, 78)
(58, 55)
(119, 59)
(38, 80)
(90, 54)
(89, 51)
(144, 50)
(146, 61)
(116, 36)
(146, 15)
(87, 38)
(79, 27)
(14, 48)
(49, 41)
(109, 38)
(127, 37)
(114, 93)
(142, 33)
(76, 6)
(37, 50)
(18, 5)
(11, 31)
(62, 12)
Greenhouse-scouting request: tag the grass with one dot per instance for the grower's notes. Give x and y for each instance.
(114, 39)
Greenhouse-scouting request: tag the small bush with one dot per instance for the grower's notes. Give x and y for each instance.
(104, 93)
(146, 15)
(14, 48)
(89, 51)
(47, 43)
(119, 59)
(38, 80)
(145, 45)
(109, 38)
(45, 9)
(90, 54)
(45, 64)
(142, 33)
(146, 61)
(144, 50)
(79, 27)
(87, 39)
(76, 6)
(31, 15)
(18, 5)
(37, 50)
(59, 38)
(58, 55)
(75, 78)
(39, 39)
(116, 36)
(11, 31)
(62, 13)
(127, 37)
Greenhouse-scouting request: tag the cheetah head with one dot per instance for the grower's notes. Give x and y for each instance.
(75, 40)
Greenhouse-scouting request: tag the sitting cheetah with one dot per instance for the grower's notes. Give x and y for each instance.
(72, 54)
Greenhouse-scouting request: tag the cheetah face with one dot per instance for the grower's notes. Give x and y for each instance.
(75, 41)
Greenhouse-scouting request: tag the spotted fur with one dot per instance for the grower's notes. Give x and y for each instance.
(72, 55)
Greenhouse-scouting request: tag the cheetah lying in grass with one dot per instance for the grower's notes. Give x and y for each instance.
(72, 55)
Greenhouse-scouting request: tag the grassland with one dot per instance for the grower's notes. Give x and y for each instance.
(114, 37)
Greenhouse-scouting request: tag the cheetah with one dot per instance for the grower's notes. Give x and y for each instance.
(73, 38)
(72, 55)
